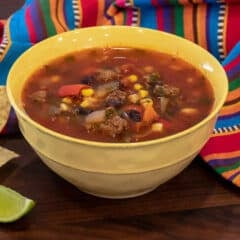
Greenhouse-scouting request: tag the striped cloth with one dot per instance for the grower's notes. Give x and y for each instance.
(213, 24)
(222, 152)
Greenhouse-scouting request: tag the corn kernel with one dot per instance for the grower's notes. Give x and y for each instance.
(87, 92)
(145, 101)
(137, 86)
(176, 67)
(148, 69)
(189, 111)
(133, 78)
(55, 78)
(67, 100)
(85, 104)
(157, 127)
(64, 107)
(133, 98)
(143, 93)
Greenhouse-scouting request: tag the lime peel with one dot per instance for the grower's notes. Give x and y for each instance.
(13, 205)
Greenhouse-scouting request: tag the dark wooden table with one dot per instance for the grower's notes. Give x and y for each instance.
(197, 204)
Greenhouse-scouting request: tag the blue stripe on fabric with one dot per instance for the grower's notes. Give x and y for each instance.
(15, 50)
(106, 6)
(223, 162)
(161, 2)
(38, 25)
(142, 3)
(228, 121)
(235, 52)
(212, 27)
(149, 20)
(18, 27)
(167, 19)
(69, 16)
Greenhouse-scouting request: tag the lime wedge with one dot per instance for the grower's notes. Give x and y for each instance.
(13, 205)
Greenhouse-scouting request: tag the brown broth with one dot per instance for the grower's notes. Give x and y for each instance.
(165, 78)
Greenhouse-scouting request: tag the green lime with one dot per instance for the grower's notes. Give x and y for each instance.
(13, 205)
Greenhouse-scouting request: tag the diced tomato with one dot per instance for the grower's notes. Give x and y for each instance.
(125, 82)
(71, 90)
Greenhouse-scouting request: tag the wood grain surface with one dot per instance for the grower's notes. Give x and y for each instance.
(197, 204)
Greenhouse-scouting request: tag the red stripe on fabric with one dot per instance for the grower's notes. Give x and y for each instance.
(89, 13)
(233, 29)
(30, 26)
(160, 22)
(154, 3)
(1, 31)
(222, 144)
(232, 64)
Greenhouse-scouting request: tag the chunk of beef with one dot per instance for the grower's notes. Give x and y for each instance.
(116, 98)
(165, 90)
(39, 96)
(114, 126)
(106, 75)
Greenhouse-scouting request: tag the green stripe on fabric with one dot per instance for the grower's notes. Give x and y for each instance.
(234, 84)
(178, 12)
(173, 2)
(45, 6)
(228, 168)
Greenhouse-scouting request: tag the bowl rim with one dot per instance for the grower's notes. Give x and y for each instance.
(60, 136)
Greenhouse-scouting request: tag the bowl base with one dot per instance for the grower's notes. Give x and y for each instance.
(120, 196)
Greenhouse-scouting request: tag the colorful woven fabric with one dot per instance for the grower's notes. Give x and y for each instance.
(213, 24)
(222, 152)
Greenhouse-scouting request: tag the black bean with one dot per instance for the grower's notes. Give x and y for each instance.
(82, 111)
(89, 80)
(135, 116)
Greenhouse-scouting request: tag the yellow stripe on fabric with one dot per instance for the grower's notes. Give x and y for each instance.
(231, 109)
(53, 11)
(100, 18)
(80, 13)
(229, 173)
(225, 31)
(131, 2)
(201, 25)
(222, 155)
(236, 180)
(233, 95)
(61, 16)
(119, 18)
(139, 17)
(112, 10)
(188, 24)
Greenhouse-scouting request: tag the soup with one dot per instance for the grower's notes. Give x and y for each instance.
(117, 95)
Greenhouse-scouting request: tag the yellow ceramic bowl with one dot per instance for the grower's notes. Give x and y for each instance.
(115, 170)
